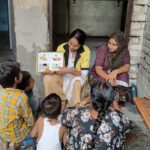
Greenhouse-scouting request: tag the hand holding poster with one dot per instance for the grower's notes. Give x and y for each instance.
(49, 60)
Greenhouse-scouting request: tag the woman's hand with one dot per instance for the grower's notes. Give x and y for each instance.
(63, 70)
(112, 77)
(85, 102)
(48, 72)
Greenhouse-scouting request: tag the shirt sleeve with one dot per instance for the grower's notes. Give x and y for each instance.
(59, 48)
(126, 57)
(68, 116)
(100, 56)
(26, 111)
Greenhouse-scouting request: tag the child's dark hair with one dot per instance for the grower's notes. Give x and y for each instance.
(79, 35)
(25, 80)
(9, 71)
(51, 106)
(102, 95)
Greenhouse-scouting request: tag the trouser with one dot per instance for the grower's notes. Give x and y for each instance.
(54, 84)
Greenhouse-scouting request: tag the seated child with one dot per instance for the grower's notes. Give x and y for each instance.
(16, 119)
(27, 85)
(49, 132)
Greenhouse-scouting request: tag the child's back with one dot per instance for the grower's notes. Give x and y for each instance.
(50, 135)
(49, 132)
(15, 116)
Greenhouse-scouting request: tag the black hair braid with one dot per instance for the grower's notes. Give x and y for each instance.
(102, 95)
(98, 121)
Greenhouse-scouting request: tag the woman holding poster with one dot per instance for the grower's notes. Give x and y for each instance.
(68, 80)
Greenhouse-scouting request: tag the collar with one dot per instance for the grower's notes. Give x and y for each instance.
(66, 54)
(12, 89)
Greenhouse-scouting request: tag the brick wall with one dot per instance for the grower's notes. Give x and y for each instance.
(139, 46)
(143, 77)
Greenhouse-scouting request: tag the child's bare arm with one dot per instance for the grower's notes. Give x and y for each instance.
(63, 134)
(34, 132)
(38, 128)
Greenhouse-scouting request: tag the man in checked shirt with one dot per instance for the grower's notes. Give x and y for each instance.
(16, 119)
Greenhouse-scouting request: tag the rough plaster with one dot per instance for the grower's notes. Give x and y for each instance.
(28, 62)
(27, 4)
(31, 28)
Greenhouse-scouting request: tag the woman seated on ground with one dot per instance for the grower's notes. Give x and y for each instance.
(96, 126)
(67, 82)
(112, 64)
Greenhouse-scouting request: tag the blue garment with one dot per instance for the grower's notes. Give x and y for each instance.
(30, 94)
(34, 102)
(28, 141)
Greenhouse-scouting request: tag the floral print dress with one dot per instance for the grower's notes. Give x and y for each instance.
(110, 135)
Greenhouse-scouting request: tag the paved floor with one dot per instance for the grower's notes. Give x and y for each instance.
(140, 138)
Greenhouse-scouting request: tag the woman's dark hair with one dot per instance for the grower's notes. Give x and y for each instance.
(79, 35)
(102, 95)
(9, 71)
(25, 80)
(51, 106)
(120, 38)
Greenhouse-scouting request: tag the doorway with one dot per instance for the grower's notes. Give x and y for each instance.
(98, 18)
(4, 25)
(7, 38)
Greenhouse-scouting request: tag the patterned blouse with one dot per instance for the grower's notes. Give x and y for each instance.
(110, 135)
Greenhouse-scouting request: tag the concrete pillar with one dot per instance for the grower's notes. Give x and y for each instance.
(31, 29)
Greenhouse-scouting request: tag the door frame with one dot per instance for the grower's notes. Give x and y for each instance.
(128, 19)
(50, 23)
(12, 37)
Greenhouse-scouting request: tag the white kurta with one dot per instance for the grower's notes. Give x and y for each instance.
(69, 80)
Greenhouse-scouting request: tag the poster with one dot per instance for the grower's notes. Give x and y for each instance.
(49, 60)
